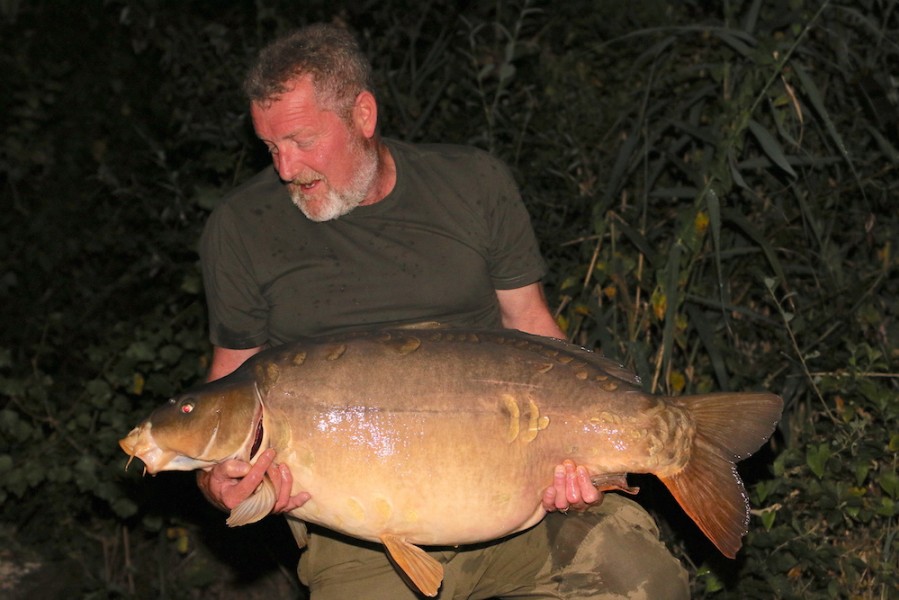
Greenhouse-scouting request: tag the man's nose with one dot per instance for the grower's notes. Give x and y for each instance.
(288, 163)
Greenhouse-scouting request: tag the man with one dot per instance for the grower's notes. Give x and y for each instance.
(391, 233)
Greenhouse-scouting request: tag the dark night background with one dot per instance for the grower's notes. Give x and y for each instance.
(713, 184)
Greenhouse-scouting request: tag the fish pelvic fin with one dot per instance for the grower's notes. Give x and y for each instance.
(613, 482)
(255, 507)
(299, 530)
(425, 571)
(729, 427)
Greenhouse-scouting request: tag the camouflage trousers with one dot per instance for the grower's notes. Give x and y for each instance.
(610, 552)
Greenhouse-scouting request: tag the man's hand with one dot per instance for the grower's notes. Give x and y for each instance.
(229, 483)
(571, 488)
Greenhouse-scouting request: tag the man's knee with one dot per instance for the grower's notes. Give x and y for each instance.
(613, 551)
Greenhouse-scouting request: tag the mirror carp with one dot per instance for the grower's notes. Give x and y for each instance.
(449, 437)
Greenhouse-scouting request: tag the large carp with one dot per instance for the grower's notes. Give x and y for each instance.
(447, 437)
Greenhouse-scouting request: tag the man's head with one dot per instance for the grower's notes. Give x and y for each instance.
(312, 104)
(328, 53)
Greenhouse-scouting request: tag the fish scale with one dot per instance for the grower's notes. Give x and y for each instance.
(365, 420)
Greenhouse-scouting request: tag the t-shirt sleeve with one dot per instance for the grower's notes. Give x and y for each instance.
(513, 252)
(238, 312)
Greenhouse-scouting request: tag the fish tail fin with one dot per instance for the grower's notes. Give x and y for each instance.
(729, 427)
(255, 507)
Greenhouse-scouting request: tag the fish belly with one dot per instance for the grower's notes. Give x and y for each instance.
(447, 486)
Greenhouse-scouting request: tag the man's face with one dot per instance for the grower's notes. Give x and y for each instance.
(328, 164)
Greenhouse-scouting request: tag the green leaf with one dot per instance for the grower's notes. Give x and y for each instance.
(889, 482)
(124, 507)
(750, 20)
(670, 288)
(861, 473)
(170, 354)
(893, 446)
(816, 458)
(152, 522)
(713, 203)
(99, 391)
(817, 101)
(887, 507)
(141, 350)
(779, 467)
(638, 240)
(703, 326)
(885, 146)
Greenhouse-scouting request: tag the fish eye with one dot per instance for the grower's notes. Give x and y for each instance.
(187, 406)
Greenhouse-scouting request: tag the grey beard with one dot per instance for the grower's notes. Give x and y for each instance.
(338, 203)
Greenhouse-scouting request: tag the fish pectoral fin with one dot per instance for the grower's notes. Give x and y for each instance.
(613, 482)
(421, 568)
(255, 507)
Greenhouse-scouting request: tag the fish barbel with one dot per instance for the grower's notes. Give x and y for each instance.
(396, 433)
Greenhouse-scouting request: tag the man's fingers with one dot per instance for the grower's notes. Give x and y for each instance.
(549, 499)
(248, 484)
(560, 487)
(589, 493)
(297, 501)
(281, 479)
(572, 485)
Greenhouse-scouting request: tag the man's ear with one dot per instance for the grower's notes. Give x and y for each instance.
(365, 113)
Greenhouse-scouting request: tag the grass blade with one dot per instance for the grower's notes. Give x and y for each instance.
(735, 218)
(770, 146)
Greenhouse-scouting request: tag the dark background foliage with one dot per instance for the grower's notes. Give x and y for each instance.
(714, 186)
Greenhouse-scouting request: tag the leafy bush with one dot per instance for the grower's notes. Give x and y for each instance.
(713, 187)
(828, 525)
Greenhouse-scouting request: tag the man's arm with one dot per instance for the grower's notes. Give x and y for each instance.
(226, 360)
(229, 483)
(525, 309)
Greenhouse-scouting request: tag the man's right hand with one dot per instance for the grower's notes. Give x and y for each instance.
(229, 483)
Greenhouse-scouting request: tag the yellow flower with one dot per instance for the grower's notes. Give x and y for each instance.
(701, 222)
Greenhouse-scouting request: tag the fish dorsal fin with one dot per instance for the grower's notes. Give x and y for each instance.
(420, 325)
(580, 353)
(255, 507)
(423, 569)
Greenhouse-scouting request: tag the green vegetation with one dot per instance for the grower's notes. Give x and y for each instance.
(714, 185)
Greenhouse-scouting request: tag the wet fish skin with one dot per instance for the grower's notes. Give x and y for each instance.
(479, 419)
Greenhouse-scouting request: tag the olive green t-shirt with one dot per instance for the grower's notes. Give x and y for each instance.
(436, 249)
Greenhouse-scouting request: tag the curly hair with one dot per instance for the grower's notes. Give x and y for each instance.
(329, 53)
